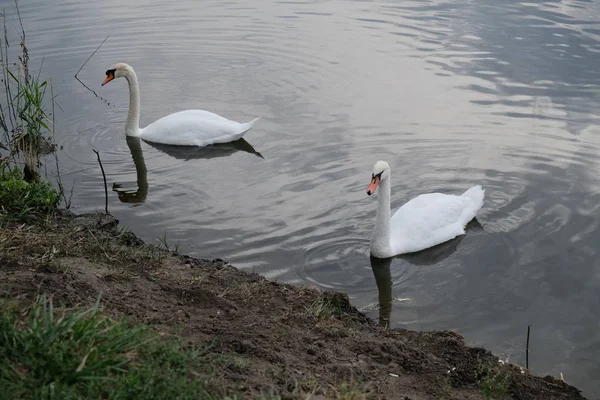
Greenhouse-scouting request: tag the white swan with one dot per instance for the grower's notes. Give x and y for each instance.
(183, 128)
(423, 222)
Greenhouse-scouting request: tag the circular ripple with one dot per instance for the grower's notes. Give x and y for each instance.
(342, 264)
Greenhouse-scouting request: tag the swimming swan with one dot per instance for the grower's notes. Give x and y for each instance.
(183, 128)
(423, 222)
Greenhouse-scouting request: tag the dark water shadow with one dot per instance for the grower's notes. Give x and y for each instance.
(139, 195)
(187, 153)
(383, 275)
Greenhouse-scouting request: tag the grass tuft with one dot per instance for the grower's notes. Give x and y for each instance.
(26, 133)
(323, 309)
(84, 354)
(22, 200)
(28, 127)
(493, 381)
(347, 391)
(165, 243)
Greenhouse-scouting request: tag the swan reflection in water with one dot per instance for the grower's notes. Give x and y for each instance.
(213, 151)
(139, 195)
(383, 275)
(184, 153)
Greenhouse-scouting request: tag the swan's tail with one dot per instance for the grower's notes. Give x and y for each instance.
(248, 125)
(475, 194)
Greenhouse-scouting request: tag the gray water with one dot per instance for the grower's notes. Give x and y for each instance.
(450, 93)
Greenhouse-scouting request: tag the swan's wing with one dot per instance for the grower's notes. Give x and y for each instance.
(194, 128)
(427, 220)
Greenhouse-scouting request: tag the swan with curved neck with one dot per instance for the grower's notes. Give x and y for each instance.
(183, 128)
(425, 221)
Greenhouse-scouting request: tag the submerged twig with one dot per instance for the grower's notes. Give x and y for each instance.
(93, 91)
(80, 68)
(527, 349)
(105, 185)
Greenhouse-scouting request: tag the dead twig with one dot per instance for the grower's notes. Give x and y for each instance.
(80, 68)
(20, 20)
(58, 176)
(105, 185)
(527, 348)
(88, 59)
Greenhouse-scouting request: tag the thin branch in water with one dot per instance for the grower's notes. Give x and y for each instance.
(41, 67)
(68, 205)
(6, 45)
(88, 59)
(105, 185)
(80, 68)
(527, 348)
(25, 53)
(61, 187)
(58, 177)
(4, 56)
(20, 20)
(95, 94)
(53, 118)
(3, 123)
(57, 104)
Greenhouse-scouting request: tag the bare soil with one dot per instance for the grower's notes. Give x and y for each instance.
(295, 341)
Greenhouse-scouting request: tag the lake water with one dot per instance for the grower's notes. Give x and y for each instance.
(450, 93)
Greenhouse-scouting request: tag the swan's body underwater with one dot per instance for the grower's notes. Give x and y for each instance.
(423, 222)
(183, 128)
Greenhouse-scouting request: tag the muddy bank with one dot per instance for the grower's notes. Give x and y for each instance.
(293, 341)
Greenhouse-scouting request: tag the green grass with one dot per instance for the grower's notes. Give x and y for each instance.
(163, 241)
(29, 130)
(27, 126)
(27, 109)
(323, 309)
(86, 355)
(493, 381)
(20, 199)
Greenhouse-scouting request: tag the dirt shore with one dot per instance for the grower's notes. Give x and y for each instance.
(293, 341)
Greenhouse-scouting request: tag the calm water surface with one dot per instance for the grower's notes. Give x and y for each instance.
(451, 93)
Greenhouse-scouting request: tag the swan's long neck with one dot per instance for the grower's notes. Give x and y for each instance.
(132, 127)
(381, 234)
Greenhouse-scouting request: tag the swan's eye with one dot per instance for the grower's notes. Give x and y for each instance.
(378, 175)
(110, 72)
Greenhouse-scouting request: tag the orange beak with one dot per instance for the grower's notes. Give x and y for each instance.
(373, 185)
(109, 78)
